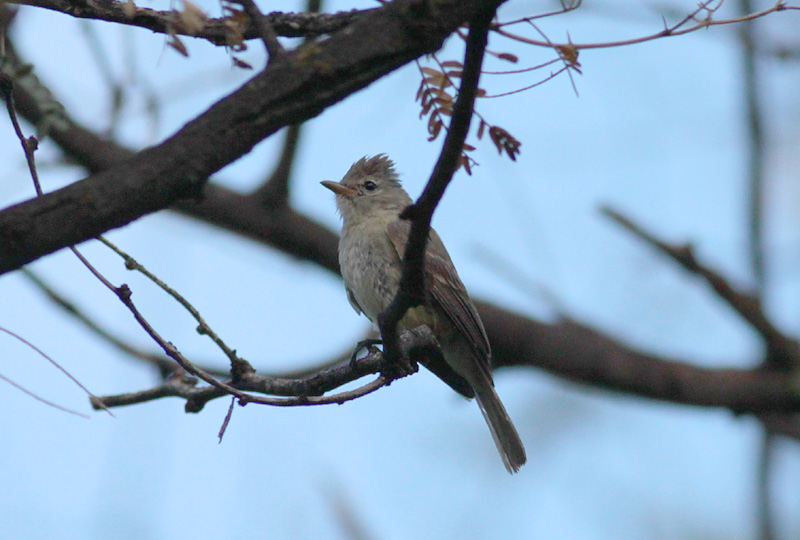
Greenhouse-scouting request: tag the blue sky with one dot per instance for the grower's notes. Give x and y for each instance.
(656, 131)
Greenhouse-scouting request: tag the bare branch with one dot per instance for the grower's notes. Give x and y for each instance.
(41, 399)
(215, 30)
(782, 348)
(678, 29)
(264, 28)
(581, 354)
(54, 364)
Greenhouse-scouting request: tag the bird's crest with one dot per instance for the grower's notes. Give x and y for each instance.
(376, 166)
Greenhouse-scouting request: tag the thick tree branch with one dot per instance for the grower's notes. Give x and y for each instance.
(297, 86)
(282, 227)
(576, 352)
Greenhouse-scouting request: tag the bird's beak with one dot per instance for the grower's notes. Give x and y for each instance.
(339, 189)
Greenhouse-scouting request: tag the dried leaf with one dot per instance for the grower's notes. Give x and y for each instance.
(504, 141)
(433, 120)
(439, 80)
(508, 57)
(468, 147)
(466, 164)
(430, 71)
(456, 73)
(420, 90)
(481, 127)
(435, 131)
(175, 42)
(569, 53)
(443, 97)
(235, 25)
(240, 63)
(426, 108)
(452, 63)
(129, 9)
(192, 18)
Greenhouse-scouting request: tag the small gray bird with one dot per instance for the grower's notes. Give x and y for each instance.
(370, 199)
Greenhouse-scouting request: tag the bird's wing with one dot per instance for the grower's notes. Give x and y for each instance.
(352, 299)
(447, 291)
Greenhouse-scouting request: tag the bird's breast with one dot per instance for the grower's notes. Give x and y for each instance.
(370, 267)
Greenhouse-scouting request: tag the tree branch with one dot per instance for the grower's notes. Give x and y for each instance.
(576, 352)
(418, 344)
(782, 350)
(295, 234)
(215, 30)
(264, 29)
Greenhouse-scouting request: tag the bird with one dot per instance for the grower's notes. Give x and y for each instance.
(370, 199)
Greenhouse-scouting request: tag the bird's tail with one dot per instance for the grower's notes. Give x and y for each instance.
(503, 431)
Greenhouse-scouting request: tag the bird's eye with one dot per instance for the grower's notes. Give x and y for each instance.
(369, 185)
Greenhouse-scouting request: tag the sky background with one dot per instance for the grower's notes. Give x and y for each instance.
(656, 131)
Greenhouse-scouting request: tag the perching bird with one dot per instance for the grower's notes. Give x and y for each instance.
(370, 199)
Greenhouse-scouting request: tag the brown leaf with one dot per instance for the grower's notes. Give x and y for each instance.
(426, 108)
(434, 119)
(235, 25)
(129, 9)
(175, 42)
(481, 127)
(452, 63)
(440, 80)
(508, 57)
(443, 97)
(420, 90)
(570, 54)
(192, 18)
(504, 141)
(467, 166)
(241, 63)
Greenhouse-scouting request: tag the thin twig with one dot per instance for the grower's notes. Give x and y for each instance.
(43, 400)
(564, 9)
(550, 77)
(411, 291)
(417, 344)
(264, 28)
(203, 328)
(164, 364)
(47, 357)
(671, 31)
(30, 144)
